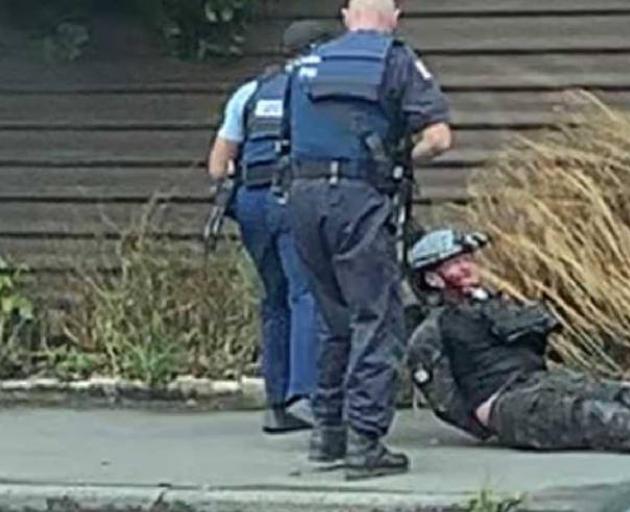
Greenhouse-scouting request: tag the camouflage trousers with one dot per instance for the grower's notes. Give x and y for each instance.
(560, 410)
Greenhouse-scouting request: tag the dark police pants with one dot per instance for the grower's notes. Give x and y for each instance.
(559, 410)
(289, 345)
(345, 238)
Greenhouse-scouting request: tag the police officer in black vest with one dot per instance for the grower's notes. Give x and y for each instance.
(353, 100)
(252, 136)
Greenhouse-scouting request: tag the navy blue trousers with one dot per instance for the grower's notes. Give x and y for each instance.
(289, 335)
(345, 237)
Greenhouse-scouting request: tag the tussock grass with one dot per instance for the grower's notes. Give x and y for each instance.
(168, 311)
(558, 206)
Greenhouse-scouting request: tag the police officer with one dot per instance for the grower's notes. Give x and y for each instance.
(479, 360)
(251, 135)
(353, 100)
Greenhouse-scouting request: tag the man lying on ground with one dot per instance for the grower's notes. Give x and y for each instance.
(479, 360)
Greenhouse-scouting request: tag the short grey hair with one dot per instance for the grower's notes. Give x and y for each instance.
(387, 6)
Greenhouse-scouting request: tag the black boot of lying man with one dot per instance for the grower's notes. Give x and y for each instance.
(367, 457)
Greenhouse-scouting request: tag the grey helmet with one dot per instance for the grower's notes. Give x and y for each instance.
(438, 246)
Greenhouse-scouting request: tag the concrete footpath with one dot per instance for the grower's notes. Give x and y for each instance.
(222, 462)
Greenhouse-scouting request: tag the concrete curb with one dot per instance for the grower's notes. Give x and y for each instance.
(56, 497)
(185, 392)
(61, 498)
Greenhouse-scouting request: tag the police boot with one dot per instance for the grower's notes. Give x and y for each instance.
(278, 420)
(302, 410)
(367, 457)
(327, 444)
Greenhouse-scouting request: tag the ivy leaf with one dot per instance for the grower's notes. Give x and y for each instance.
(23, 307)
(6, 283)
(211, 15)
(7, 306)
(206, 48)
(227, 14)
(171, 30)
(17, 305)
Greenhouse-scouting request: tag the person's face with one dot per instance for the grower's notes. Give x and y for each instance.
(460, 273)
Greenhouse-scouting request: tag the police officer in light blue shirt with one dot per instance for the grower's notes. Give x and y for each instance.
(252, 135)
(353, 101)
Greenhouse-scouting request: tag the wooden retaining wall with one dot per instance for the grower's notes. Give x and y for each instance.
(83, 146)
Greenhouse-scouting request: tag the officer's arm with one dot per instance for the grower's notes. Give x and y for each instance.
(431, 142)
(231, 134)
(223, 153)
(426, 110)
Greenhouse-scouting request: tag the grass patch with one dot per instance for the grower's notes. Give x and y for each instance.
(488, 501)
(167, 311)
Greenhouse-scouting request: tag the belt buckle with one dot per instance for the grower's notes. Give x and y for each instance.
(334, 173)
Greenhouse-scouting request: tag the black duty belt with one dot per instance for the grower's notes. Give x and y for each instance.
(333, 171)
(260, 176)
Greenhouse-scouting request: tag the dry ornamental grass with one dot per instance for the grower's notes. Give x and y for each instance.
(557, 207)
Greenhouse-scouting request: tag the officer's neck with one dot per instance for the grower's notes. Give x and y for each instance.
(369, 27)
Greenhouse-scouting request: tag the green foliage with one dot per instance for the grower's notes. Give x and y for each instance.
(191, 29)
(16, 319)
(201, 28)
(67, 42)
(487, 501)
(165, 314)
(60, 25)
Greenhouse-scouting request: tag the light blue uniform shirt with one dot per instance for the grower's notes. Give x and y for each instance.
(232, 128)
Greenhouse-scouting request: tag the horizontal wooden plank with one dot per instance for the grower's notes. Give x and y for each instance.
(123, 184)
(104, 183)
(499, 34)
(67, 219)
(50, 146)
(521, 71)
(512, 71)
(195, 111)
(166, 148)
(328, 8)
(513, 109)
(64, 255)
(71, 218)
(157, 72)
(116, 109)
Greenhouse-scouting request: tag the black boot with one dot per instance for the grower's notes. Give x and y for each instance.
(278, 420)
(367, 457)
(327, 443)
(302, 410)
